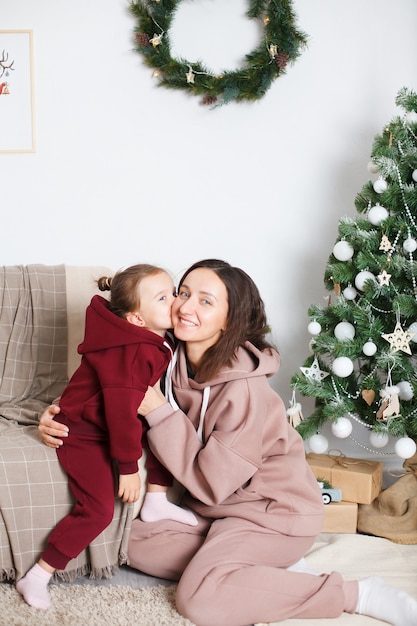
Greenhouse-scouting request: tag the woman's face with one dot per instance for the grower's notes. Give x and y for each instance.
(199, 312)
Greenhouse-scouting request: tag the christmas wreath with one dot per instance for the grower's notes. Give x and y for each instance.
(281, 43)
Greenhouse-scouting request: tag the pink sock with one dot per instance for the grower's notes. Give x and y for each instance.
(34, 587)
(156, 506)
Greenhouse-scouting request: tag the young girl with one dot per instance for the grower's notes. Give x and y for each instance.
(124, 351)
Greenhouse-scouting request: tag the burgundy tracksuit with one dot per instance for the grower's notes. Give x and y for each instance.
(99, 405)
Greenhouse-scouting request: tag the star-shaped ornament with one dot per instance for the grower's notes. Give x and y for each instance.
(383, 278)
(399, 339)
(190, 76)
(385, 244)
(156, 40)
(314, 372)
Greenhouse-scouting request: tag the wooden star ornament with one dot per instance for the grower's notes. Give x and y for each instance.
(384, 278)
(399, 339)
(190, 76)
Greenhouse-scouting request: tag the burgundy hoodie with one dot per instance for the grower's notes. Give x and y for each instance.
(119, 362)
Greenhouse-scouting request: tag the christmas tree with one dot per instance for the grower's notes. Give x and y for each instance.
(363, 361)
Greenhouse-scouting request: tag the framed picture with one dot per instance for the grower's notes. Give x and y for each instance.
(17, 115)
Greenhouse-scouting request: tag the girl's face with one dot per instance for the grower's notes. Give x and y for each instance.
(156, 295)
(199, 312)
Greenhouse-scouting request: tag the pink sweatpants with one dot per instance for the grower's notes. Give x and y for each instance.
(232, 572)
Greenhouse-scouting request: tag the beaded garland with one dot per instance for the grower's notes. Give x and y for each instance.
(280, 44)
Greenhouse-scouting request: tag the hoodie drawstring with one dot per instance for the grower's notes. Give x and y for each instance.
(168, 382)
(169, 395)
(206, 396)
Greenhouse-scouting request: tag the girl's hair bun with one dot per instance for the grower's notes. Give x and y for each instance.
(104, 283)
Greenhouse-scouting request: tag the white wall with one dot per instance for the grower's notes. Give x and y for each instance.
(127, 172)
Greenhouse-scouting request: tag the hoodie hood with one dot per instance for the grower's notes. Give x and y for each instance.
(250, 362)
(104, 329)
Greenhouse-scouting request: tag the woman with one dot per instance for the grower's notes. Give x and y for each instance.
(243, 466)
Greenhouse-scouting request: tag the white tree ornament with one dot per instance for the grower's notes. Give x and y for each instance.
(314, 372)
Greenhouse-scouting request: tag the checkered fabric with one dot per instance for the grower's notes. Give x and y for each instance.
(33, 339)
(34, 493)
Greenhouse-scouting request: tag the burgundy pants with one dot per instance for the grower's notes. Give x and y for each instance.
(85, 456)
(91, 479)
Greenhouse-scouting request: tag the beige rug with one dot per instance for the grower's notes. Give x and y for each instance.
(88, 605)
(354, 556)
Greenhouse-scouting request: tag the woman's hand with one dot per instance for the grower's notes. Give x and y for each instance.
(129, 487)
(154, 398)
(49, 430)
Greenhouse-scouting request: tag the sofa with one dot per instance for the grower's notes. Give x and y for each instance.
(42, 311)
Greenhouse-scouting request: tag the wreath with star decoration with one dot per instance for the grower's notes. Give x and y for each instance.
(281, 43)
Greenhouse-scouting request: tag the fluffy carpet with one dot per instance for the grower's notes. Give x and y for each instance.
(354, 556)
(85, 605)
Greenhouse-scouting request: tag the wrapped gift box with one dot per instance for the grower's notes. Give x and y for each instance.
(340, 517)
(359, 480)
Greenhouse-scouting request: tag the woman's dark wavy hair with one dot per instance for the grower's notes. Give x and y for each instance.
(246, 318)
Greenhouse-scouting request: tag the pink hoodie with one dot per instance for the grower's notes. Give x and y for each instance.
(232, 448)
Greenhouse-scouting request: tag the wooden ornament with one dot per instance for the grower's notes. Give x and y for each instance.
(393, 408)
(368, 395)
(390, 405)
(385, 244)
(380, 414)
(295, 415)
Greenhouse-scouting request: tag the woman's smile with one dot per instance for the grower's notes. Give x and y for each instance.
(185, 322)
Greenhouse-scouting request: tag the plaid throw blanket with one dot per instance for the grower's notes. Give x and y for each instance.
(34, 493)
(33, 339)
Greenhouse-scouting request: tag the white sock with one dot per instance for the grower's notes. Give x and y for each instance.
(156, 506)
(379, 600)
(302, 567)
(34, 587)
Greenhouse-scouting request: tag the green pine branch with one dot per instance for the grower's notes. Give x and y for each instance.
(387, 299)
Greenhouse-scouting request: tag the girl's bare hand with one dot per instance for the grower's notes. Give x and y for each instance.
(129, 487)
